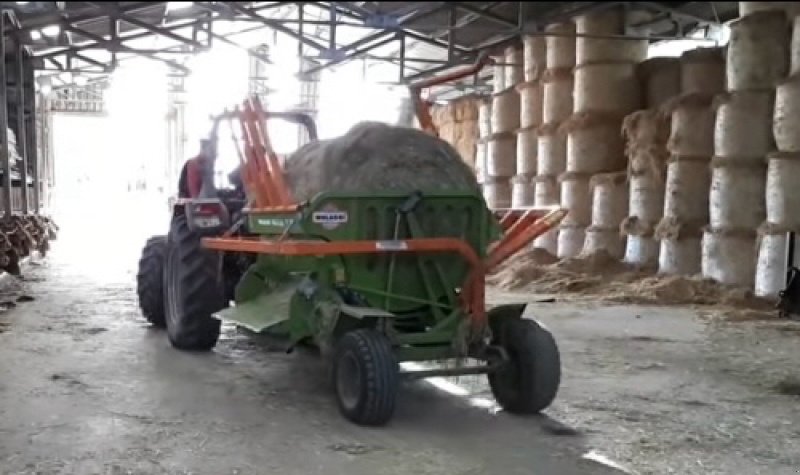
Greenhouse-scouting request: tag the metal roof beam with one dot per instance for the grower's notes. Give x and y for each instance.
(272, 24)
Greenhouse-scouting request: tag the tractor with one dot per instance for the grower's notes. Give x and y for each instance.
(371, 280)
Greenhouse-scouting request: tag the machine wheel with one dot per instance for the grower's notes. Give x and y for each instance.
(192, 290)
(366, 377)
(150, 280)
(530, 380)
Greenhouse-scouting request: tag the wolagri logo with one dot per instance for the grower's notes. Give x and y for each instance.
(329, 217)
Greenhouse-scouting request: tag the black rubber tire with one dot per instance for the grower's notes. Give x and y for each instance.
(192, 290)
(150, 280)
(528, 384)
(367, 355)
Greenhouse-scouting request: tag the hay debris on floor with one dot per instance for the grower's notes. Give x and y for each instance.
(600, 277)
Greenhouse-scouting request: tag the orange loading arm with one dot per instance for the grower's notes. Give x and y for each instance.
(422, 108)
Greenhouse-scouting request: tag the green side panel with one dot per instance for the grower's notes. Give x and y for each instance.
(262, 312)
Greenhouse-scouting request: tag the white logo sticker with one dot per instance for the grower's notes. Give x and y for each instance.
(329, 218)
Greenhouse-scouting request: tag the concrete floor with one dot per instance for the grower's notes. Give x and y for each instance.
(87, 388)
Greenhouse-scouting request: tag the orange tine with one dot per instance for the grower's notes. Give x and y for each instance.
(264, 196)
(276, 171)
(509, 247)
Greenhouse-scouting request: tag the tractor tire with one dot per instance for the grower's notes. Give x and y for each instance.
(529, 382)
(366, 377)
(192, 288)
(150, 280)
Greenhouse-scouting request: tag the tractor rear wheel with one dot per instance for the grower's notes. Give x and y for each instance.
(150, 280)
(528, 382)
(193, 291)
(366, 377)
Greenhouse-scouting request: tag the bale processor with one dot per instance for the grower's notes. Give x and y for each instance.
(373, 279)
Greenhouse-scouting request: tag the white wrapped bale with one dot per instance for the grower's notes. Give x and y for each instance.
(514, 66)
(546, 192)
(794, 48)
(594, 143)
(570, 241)
(527, 146)
(703, 71)
(497, 192)
(641, 251)
(609, 200)
(502, 159)
(646, 199)
(783, 190)
(691, 126)
(560, 45)
(661, 79)
(551, 156)
(771, 264)
(505, 111)
(547, 241)
(758, 51)
(521, 192)
(557, 100)
(736, 200)
(687, 187)
(729, 257)
(791, 9)
(534, 52)
(786, 119)
(603, 240)
(530, 106)
(485, 118)
(499, 82)
(743, 126)
(607, 87)
(576, 198)
(680, 248)
(481, 160)
(608, 22)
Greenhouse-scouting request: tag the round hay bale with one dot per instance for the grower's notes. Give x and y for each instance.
(505, 111)
(600, 239)
(691, 125)
(557, 95)
(607, 87)
(527, 147)
(481, 160)
(743, 126)
(703, 71)
(546, 192)
(551, 156)
(679, 256)
(790, 9)
(465, 108)
(645, 135)
(530, 106)
(594, 143)
(794, 47)
(570, 241)
(729, 256)
(641, 251)
(560, 46)
(547, 241)
(499, 82)
(786, 119)
(600, 50)
(534, 57)
(646, 199)
(661, 78)
(758, 51)
(609, 200)
(576, 198)
(521, 192)
(502, 158)
(687, 187)
(736, 199)
(375, 157)
(771, 263)
(783, 189)
(497, 192)
(485, 118)
(514, 66)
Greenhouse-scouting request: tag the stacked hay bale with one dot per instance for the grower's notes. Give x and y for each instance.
(553, 58)
(606, 90)
(482, 144)
(458, 125)
(783, 180)
(530, 116)
(690, 148)
(757, 59)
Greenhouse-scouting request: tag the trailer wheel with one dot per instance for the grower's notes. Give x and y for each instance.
(529, 382)
(193, 292)
(150, 280)
(366, 377)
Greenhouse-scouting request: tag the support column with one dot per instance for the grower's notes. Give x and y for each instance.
(22, 143)
(4, 150)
